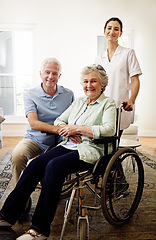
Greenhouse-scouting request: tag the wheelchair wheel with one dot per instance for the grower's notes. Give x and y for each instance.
(67, 187)
(83, 230)
(70, 181)
(122, 186)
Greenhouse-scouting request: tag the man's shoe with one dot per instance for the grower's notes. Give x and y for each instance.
(32, 235)
(4, 223)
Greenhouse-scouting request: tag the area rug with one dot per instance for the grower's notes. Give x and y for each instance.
(5, 172)
(5, 167)
(147, 158)
(141, 227)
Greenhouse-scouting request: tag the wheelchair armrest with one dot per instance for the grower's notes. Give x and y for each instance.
(105, 140)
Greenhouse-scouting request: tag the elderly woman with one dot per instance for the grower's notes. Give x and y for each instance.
(92, 116)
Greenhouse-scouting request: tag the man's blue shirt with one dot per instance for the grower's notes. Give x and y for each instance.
(47, 108)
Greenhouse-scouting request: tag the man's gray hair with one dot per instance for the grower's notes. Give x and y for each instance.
(51, 60)
(99, 70)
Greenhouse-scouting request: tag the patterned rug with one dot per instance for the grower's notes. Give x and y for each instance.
(5, 172)
(5, 167)
(141, 227)
(147, 158)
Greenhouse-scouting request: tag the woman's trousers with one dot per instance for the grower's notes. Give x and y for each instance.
(52, 167)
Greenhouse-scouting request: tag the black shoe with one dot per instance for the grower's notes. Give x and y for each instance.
(26, 211)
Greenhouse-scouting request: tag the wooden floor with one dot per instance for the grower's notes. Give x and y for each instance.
(9, 143)
(147, 143)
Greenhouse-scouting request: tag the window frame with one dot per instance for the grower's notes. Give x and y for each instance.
(20, 27)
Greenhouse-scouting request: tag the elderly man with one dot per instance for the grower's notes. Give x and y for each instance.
(43, 104)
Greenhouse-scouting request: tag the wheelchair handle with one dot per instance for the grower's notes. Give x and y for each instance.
(124, 104)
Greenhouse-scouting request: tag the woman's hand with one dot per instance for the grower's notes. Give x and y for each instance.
(76, 139)
(68, 130)
(128, 105)
(71, 132)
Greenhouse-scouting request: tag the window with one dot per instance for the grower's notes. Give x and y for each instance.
(16, 68)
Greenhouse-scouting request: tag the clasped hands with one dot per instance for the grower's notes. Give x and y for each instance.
(71, 132)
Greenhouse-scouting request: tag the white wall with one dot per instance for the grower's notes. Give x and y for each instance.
(67, 30)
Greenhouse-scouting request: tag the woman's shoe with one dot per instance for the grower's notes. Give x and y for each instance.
(4, 223)
(32, 235)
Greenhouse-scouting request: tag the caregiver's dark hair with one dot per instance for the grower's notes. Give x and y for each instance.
(114, 19)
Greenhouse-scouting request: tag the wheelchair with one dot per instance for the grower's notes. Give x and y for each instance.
(116, 181)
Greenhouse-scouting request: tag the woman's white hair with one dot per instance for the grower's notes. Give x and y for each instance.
(50, 60)
(99, 70)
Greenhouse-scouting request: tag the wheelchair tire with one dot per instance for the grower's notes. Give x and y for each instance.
(83, 229)
(66, 191)
(122, 186)
(67, 187)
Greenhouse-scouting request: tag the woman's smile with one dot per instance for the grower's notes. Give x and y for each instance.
(92, 86)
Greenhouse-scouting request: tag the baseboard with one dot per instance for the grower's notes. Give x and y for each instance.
(144, 133)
